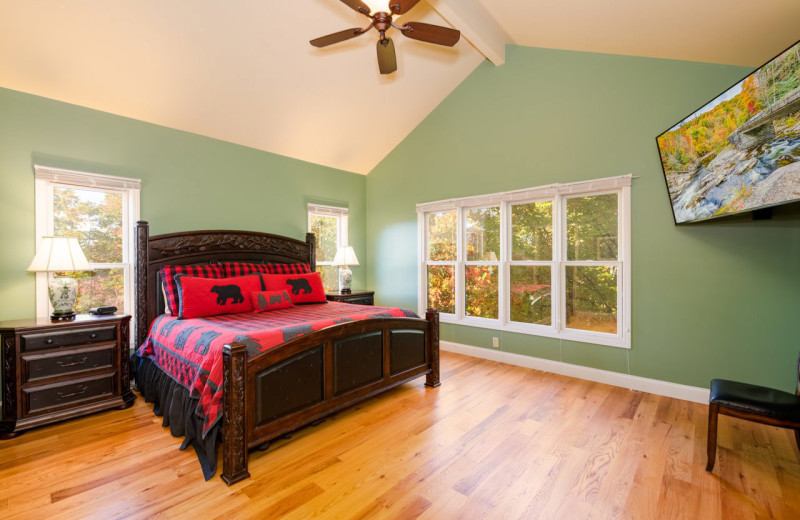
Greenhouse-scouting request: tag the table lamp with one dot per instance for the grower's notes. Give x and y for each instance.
(345, 256)
(60, 254)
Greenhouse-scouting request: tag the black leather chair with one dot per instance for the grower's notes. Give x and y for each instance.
(753, 403)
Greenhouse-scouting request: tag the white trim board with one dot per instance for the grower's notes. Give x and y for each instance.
(641, 384)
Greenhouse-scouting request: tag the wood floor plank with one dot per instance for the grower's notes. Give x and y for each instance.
(494, 441)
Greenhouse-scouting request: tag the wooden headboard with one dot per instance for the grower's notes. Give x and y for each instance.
(203, 247)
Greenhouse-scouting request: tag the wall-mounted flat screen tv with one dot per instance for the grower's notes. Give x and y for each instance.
(740, 151)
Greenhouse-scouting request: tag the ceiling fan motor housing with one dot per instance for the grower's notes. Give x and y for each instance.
(382, 22)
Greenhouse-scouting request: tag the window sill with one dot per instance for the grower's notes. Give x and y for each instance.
(596, 338)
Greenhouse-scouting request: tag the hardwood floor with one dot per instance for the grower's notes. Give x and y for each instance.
(494, 441)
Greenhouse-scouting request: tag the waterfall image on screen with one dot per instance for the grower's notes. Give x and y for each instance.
(740, 151)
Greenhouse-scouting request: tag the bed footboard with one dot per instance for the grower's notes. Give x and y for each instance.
(316, 375)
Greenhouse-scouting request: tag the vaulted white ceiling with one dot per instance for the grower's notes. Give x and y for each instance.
(243, 71)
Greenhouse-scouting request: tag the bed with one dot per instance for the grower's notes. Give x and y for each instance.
(265, 395)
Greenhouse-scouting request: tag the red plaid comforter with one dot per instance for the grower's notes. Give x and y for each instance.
(190, 351)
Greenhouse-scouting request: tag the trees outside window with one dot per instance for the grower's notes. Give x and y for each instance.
(531, 262)
(441, 260)
(95, 218)
(552, 261)
(481, 269)
(329, 225)
(99, 210)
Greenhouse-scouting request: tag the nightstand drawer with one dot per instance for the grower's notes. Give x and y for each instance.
(59, 363)
(67, 338)
(44, 398)
(355, 297)
(362, 300)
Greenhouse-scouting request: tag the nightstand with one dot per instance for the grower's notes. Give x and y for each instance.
(59, 370)
(357, 297)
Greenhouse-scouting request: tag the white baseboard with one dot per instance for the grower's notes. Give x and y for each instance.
(642, 384)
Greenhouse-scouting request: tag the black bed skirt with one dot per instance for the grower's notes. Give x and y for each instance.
(171, 401)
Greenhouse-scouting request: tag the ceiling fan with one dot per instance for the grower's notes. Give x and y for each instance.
(382, 22)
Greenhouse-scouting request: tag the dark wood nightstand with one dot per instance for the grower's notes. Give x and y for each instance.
(357, 297)
(59, 370)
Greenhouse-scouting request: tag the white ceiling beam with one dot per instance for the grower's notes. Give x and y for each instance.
(476, 25)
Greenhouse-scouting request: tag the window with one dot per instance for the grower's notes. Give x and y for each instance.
(552, 261)
(329, 224)
(100, 211)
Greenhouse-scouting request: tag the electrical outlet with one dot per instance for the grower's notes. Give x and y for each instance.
(496, 342)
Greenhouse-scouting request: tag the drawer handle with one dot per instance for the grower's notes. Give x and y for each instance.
(93, 335)
(65, 396)
(73, 364)
(49, 341)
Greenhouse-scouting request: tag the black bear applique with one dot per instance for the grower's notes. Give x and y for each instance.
(204, 343)
(277, 298)
(381, 315)
(183, 337)
(298, 330)
(228, 292)
(253, 346)
(166, 329)
(298, 285)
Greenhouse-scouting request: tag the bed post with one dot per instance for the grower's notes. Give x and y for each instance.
(234, 433)
(432, 379)
(311, 240)
(142, 232)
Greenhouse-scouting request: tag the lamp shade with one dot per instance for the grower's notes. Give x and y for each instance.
(345, 256)
(59, 254)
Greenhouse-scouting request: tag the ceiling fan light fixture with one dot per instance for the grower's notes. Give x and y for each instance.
(378, 6)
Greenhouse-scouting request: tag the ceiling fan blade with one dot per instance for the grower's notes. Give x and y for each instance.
(401, 6)
(387, 58)
(340, 36)
(357, 6)
(431, 33)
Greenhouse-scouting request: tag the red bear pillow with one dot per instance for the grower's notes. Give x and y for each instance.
(302, 288)
(270, 301)
(199, 297)
(170, 284)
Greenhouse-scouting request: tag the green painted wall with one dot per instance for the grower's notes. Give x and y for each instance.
(188, 182)
(718, 299)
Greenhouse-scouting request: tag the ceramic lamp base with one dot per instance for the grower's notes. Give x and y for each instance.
(345, 278)
(63, 292)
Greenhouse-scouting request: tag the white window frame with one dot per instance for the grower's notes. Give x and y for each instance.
(558, 194)
(341, 215)
(45, 181)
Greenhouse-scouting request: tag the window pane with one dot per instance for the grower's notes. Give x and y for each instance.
(330, 276)
(326, 229)
(592, 228)
(102, 287)
(592, 298)
(442, 288)
(530, 294)
(95, 217)
(532, 231)
(483, 234)
(442, 236)
(481, 291)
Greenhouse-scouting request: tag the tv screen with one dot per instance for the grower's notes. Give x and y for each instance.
(740, 151)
